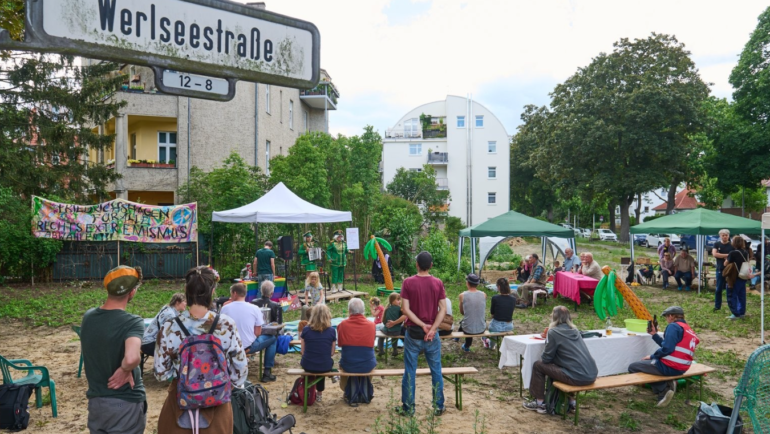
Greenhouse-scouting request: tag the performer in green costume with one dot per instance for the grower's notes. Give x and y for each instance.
(336, 253)
(310, 266)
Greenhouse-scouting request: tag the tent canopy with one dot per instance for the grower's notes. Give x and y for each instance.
(699, 221)
(513, 224)
(281, 205)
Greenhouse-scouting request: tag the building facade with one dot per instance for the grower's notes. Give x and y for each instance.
(158, 137)
(467, 146)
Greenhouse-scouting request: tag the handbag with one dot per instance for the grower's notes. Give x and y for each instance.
(745, 270)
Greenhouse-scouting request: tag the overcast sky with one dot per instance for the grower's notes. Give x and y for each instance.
(389, 56)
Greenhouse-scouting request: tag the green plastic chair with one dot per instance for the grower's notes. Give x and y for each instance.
(76, 329)
(38, 380)
(753, 392)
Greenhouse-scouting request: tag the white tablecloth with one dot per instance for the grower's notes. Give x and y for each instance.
(612, 354)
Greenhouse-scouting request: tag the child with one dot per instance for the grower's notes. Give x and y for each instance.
(315, 291)
(394, 321)
(377, 311)
(557, 267)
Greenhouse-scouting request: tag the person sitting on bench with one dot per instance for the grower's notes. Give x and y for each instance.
(473, 303)
(276, 311)
(177, 304)
(536, 281)
(318, 345)
(565, 359)
(355, 336)
(677, 347)
(589, 267)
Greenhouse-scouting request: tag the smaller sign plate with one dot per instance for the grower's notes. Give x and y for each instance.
(193, 85)
(352, 235)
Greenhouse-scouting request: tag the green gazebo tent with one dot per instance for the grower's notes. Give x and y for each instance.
(511, 224)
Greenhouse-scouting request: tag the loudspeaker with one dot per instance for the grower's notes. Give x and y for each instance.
(285, 247)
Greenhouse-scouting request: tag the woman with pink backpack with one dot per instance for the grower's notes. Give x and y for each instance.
(201, 352)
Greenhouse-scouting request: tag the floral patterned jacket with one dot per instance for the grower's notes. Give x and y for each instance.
(166, 365)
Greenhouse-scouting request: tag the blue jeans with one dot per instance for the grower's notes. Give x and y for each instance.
(412, 349)
(496, 326)
(679, 275)
(738, 305)
(267, 343)
(721, 283)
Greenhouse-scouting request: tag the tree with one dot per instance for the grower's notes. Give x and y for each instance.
(399, 221)
(48, 107)
(621, 125)
(420, 188)
(304, 169)
(362, 177)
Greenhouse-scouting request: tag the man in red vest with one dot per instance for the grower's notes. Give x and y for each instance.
(677, 348)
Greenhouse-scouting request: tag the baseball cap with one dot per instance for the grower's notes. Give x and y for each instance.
(673, 310)
(122, 279)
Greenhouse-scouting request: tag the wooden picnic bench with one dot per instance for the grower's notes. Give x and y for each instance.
(455, 335)
(452, 375)
(695, 373)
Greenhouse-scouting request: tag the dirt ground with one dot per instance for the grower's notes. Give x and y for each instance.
(492, 392)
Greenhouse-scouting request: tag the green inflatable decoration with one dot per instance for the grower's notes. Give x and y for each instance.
(607, 298)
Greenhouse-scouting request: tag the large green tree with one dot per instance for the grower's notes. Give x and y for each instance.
(621, 126)
(419, 187)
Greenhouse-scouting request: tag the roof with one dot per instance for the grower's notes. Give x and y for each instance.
(513, 224)
(281, 205)
(683, 200)
(700, 221)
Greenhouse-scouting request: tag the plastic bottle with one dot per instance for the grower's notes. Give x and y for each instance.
(608, 327)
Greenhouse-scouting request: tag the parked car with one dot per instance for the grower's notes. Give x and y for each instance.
(690, 241)
(654, 240)
(753, 244)
(566, 225)
(586, 233)
(640, 240)
(607, 235)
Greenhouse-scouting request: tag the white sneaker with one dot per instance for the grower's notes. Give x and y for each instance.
(666, 399)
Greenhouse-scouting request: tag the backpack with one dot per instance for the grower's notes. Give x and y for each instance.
(251, 412)
(555, 401)
(297, 394)
(204, 380)
(14, 404)
(359, 390)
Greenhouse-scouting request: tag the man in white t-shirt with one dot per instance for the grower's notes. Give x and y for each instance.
(248, 318)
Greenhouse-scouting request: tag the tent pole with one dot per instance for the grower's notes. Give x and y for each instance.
(473, 255)
(762, 287)
(699, 246)
(543, 245)
(459, 251)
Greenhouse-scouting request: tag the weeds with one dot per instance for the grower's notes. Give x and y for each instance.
(628, 422)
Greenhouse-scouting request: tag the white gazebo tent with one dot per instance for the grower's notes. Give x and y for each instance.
(280, 205)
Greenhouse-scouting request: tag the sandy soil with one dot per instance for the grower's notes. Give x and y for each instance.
(492, 392)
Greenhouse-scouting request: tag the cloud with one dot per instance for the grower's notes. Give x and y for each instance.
(389, 56)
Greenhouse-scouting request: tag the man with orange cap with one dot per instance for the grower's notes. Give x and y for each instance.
(110, 340)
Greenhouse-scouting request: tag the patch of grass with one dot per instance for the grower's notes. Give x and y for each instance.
(628, 422)
(645, 406)
(673, 420)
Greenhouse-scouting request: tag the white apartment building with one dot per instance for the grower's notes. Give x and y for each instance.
(467, 146)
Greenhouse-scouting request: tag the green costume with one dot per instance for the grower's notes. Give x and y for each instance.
(336, 253)
(303, 248)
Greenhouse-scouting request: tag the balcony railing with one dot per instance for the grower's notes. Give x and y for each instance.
(323, 88)
(434, 133)
(401, 134)
(442, 183)
(438, 158)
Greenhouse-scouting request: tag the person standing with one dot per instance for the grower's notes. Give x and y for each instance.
(473, 303)
(304, 253)
(422, 301)
(674, 357)
(264, 265)
(336, 253)
(249, 321)
(666, 247)
(721, 249)
(110, 340)
(736, 300)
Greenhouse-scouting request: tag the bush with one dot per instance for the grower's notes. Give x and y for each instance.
(444, 259)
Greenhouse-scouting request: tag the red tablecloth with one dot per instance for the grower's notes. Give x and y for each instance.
(570, 284)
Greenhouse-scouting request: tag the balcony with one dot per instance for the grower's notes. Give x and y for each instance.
(324, 96)
(392, 133)
(442, 183)
(438, 158)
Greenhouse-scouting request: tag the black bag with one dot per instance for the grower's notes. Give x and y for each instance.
(14, 405)
(359, 390)
(630, 276)
(251, 412)
(555, 401)
(708, 424)
(416, 333)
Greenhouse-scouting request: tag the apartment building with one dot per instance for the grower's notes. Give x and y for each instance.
(467, 146)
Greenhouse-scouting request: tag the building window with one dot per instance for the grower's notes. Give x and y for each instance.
(55, 159)
(166, 147)
(492, 172)
(479, 121)
(267, 158)
(291, 114)
(133, 146)
(647, 209)
(307, 125)
(491, 198)
(491, 147)
(415, 149)
(412, 128)
(461, 122)
(267, 98)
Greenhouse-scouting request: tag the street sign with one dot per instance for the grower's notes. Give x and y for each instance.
(216, 38)
(193, 85)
